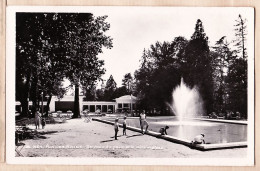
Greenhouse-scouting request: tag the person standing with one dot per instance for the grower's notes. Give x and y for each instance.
(143, 122)
(116, 127)
(124, 126)
(37, 119)
(43, 122)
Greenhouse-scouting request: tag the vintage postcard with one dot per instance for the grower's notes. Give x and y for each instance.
(130, 85)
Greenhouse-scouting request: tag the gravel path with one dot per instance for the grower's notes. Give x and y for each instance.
(76, 138)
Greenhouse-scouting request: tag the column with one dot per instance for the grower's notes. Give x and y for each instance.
(52, 104)
(115, 107)
(80, 104)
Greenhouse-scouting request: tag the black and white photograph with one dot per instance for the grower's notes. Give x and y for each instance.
(130, 85)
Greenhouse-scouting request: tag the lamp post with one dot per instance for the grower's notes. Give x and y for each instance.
(23, 110)
(47, 105)
(131, 105)
(42, 102)
(28, 107)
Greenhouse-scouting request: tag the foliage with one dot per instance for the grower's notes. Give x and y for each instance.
(237, 78)
(54, 46)
(110, 89)
(220, 73)
(120, 91)
(51, 46)
(90, 94)
(128, 82)
(198, 69)
(83, 40)
(240, 34)
(36, 63)
(160, 71)
(237, 83)
(221, 57)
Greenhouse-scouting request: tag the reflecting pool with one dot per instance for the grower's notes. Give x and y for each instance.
(215, 132)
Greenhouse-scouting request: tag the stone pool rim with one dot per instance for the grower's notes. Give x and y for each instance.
(239, 122)
(202, 147)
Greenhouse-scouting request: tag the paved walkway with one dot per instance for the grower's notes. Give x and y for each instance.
(76, 138)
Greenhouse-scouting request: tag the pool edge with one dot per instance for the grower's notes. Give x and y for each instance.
(201, 147)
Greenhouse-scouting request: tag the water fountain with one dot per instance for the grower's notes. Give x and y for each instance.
(187, 105)
(187, 102)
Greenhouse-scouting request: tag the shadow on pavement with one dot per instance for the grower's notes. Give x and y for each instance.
(110, 140)
(134, 135)
(106, 141)
(47, 132)
(117, 136)
(40, 135)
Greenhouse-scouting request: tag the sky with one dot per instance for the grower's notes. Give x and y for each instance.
(136, 28)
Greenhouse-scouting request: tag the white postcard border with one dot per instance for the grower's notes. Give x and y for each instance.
(10, 101)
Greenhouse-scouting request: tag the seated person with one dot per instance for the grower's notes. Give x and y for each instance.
(199, 139)
(163, 130)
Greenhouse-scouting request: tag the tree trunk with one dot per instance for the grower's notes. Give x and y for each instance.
(48, 106)
(76, 113)
(24, 105)
(34, 95)
(24, 100)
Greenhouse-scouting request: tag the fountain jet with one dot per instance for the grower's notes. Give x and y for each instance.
(186, 102)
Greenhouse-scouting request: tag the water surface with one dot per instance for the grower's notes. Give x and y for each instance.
(215, 132)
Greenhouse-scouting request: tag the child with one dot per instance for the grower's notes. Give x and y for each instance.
(124, 126)
(116, 127)
(163, 130)
(43, 123)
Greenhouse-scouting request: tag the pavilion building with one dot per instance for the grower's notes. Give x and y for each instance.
(125, 103)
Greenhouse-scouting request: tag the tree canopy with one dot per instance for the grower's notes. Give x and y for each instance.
(159, 72)
(54, 46)
(218, 72)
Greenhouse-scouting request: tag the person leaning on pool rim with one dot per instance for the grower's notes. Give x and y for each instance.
(199, 139)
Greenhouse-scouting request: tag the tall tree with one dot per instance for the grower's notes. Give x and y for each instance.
(221, 57)
(240, 41)
(52, 46)
(142, 76)
(36, 62)
(238, 86)
(110, 89)
(127, 82)
(85, 37)
(99, 95)
(237, 78)
(198, 70)
(159, 73)
(90, 94)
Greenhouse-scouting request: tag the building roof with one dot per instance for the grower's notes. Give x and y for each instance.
(126, 99)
